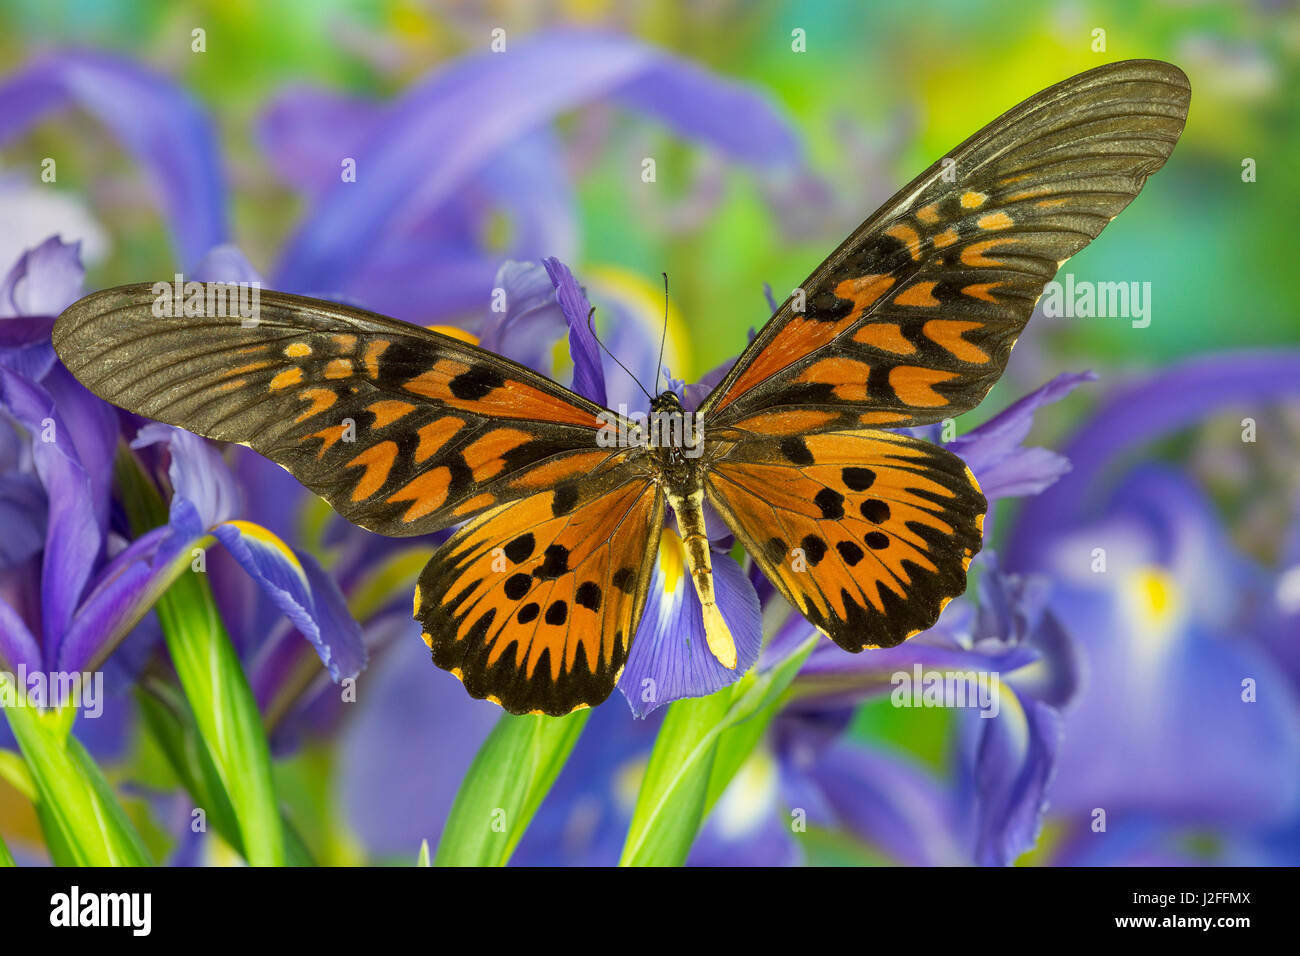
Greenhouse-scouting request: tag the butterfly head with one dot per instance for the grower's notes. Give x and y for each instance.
(666, 402)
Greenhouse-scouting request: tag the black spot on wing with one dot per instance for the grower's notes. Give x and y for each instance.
(588, 595)
(814, 549)
(831, 503)
(521, 548)
(555, 563)
(858, 479)
(475, 383)
(795, 450)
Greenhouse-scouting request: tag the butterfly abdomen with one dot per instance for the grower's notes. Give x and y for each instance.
(688, 503)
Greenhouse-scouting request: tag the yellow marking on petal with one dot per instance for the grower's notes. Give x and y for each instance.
(995, 220)
(672, 559)
(297, 350)
(453, 332)
(972, 199)
(290, 376)
(266, 537)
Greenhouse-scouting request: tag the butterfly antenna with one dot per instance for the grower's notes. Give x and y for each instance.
(663, 336)
(591, 327)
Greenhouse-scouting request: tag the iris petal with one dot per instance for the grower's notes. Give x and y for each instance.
(670, 658)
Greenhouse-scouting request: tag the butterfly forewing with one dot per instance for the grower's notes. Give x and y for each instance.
(403, 430)
(911, 320)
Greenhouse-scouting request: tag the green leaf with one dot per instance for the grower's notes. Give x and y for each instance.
(5, 858)
(510, 775)
(83, 822)
(172, 726)
(423, 858)
(15, 773)
(213, 680)
(701, 745)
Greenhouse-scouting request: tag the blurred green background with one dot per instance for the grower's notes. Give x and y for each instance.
(883, 90)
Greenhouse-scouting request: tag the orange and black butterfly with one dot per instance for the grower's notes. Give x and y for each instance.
(534, 601)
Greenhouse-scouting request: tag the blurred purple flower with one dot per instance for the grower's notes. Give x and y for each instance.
(156, 121)
(93, 585)
(1174, 625)
(484, 120)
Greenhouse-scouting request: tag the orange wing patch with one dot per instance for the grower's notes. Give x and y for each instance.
(534, 604)
(869, 534)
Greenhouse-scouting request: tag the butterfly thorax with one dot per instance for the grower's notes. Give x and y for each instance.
(676, 441)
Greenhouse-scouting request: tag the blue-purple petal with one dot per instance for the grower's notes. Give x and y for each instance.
(466, 114)
(305, 594)
(18, 647)
(994, 453)
(1174, 398)
(588, 377)
(670, 658)
(532, 321)
(74, 537)
(44, 281)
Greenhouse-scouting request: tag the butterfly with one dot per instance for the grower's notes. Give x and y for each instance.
(533, 602)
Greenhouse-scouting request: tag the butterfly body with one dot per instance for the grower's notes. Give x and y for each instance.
(801, 449)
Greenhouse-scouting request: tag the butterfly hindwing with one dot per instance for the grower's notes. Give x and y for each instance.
(534, 604)
(911, 320)
(868, 533)
(403, 430)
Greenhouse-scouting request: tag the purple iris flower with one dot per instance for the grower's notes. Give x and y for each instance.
(402, 235)
(1188, 642)
(75, 581)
